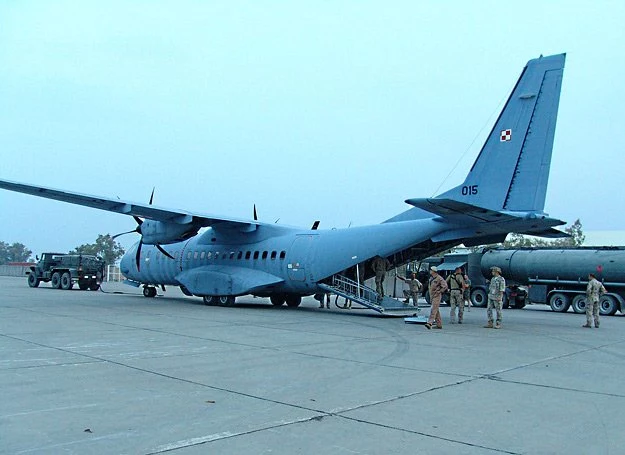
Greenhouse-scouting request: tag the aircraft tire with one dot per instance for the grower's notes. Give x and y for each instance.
(293, 301)
(559, 302)
(277, 299)
(56, 280)
(149, 291)
(209, 300)
(33, 281)
(66, 281)
(225, 300)
(579, 304)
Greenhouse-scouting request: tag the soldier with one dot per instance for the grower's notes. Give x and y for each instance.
(495, 297)
(415, 287)
(380, 265)
(456, 285)
(594, 290)
(327, 299)
(437, 287)
(466, 293)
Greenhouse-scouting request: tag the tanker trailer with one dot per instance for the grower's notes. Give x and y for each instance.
(558, 276)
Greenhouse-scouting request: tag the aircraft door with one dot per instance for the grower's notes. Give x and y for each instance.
(299, 257)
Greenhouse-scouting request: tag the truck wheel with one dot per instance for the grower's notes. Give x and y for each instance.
(559, 302)
(66, 281)
(56, 280)
(96, 286)
(33, 281)
(579, 304)
(519, 303)
(608, 305)
(83, 286)
(479, 298)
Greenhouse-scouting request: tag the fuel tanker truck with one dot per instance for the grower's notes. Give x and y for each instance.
(558, 276)
(553, 276)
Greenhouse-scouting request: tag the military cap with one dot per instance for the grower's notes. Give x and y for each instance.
(496, 269)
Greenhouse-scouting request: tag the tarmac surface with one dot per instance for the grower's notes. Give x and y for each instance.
(86, 372)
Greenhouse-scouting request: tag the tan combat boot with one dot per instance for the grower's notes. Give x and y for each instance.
(497, 326)
(489, 325)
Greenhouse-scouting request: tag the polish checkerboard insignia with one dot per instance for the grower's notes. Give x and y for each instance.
(506, 136)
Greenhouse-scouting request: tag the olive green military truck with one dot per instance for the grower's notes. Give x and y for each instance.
(65, 270)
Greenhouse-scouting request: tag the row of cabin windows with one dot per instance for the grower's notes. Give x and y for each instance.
(231, 255)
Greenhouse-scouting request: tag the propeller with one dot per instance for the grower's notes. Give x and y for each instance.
(138, 230)
(255, 214)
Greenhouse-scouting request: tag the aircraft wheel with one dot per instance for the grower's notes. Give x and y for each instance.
(56, 280)
(608, 305)
(579, 304)
(149, 291)
(226, 300)
(66, 281)
(559, 302)
(209, 300)
(277, 299)
(479, 298)
(33, 281)
(293, 301)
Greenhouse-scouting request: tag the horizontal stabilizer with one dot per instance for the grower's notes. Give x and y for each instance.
(549, 233)
(449, 208)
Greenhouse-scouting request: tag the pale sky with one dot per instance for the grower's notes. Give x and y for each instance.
(328, 110)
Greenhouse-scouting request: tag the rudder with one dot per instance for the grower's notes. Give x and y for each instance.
(512, 169)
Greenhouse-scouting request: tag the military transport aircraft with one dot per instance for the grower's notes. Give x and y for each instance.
(503, 192)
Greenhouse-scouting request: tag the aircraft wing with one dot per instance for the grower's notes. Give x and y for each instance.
(130, 208)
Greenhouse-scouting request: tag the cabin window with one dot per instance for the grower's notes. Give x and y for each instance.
(240, 255)
(195, 255)
(188, 255)
(255, 255)
(274, 254)
(209, 255)
(248, 254)
(282, 254)
(224, 256)
(232, 255)
(265, 253)
(203, 255)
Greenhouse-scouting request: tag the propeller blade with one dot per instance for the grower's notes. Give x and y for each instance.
(138, 220)
(138, 255)
(152, 195)
(162, 250)
(123, 233)
(255, 215)
(315, 225)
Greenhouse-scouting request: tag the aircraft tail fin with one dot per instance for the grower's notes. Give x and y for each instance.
(512, 169)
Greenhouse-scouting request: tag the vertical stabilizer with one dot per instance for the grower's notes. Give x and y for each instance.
(512, 169)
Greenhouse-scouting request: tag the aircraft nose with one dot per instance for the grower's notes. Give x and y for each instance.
(126, 265)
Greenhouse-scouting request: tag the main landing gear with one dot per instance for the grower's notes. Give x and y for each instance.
(221, 300)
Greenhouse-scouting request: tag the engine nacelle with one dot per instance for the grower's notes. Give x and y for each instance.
(163, 233)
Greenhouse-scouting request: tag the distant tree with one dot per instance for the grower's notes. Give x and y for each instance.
(576, 238)
(16, 252)
(104, 246)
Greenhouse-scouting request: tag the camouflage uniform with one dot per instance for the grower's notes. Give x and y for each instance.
(466, 293)
(437, 287)
(415, 287)
(593, 291)
(327, 298)
(380, 265)
(456, 285)
(495, 299)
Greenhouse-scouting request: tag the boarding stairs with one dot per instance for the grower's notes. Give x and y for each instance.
(367, 297)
